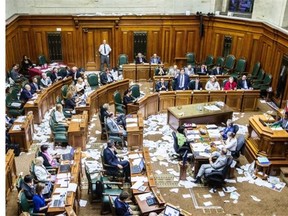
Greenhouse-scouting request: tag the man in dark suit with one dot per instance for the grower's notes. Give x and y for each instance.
(75, 74)
(106, 77)
(26, 93)
(202, 70)
(128, 98)
(182, 80)
(195, 84)
(34, 85)
(140, 59)
(244, 83)
(28, 187)
(111, 159)
(161, 86)
(218, 70)
(155, 59)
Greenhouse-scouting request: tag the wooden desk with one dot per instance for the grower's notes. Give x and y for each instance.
(180, 61)
(72, 198)
(250, 100)
(10, 172)
(78, 131)
(196, 113)
(23, 136)
(263, 141)
(45, 100)
(137, 72)
(135, 133)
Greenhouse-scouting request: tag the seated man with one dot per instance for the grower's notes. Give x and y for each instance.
(15, 75)
(189, 70)
(243, 83)
(182, 81)
(195, 85)
(26, 93)
(202, 70)
(45, 82)
(218, 70)
(35, 88)
(155, 59)
(114, 127)
(106, 77)
(173, 71)
(110, 158)
(283, 122)
(161, 86)
(28, 187)
(140, 59)
(122, 208)
(219, 164)
(229, 128)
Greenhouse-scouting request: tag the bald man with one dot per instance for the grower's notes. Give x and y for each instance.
(104, 51)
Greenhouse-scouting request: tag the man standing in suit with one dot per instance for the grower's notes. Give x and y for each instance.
(195, 85)
(219, 164)
(182, 80)
(111, 159)
(140, 59)
(155, 59)
(244, 83)
(162, 85)
(217, 70)
(104, 51)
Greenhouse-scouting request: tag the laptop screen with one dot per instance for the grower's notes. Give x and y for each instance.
(171, 211)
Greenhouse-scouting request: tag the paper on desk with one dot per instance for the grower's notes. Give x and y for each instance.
(209, 203)
(174, 190)
(133, 156)
(60, 190)
(72, 187)
(211, 126)
(131, 120)
(206, 196)
(143, 196)
(16, 127)
(139, 178)
(185, 196)
(255, 198)
(82, 203)
(137, 184)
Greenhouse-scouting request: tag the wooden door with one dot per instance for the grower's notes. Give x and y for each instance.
(92, 39)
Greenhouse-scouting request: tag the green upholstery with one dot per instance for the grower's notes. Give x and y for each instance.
(118, 138)
(173, 84)
(103, 128)
(42, 60)
(220, 61)
(255, 70)
(57, 126)
(15, 91)
(259, 77)
(122, 59)
(59, 133)
(14, 107)
(263, 84)
(135, 90)
(93, 80)
(25, 206)
(239, 68)
(209, 61)
(119, 107)
(229, 63)
(49, 74)
(64, 90)
(191, 59)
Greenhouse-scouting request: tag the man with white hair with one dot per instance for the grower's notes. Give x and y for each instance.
(26, 93)
(45, 82)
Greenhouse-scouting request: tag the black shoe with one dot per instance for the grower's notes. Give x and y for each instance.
(198, 180)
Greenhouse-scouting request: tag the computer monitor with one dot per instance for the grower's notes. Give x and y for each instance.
(171, 211)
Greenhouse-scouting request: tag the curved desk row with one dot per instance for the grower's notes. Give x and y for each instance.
(239, 100)
(137, 72)
(47, 98)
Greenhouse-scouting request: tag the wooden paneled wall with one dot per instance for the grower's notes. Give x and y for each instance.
(168, 36)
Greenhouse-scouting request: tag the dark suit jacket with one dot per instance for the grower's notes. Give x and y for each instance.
(34, 88)
(78, 74)
(156, 60)
(214, 71)
(110, 158)
(138, 60)
(121, 208)
(53, 77)
(104, 78)
(186, 82)
(70, 104)
(103, 113)
(45, 162)
(127, 99)
(160, 88)
(28, 191)
(192, 85)
(25, 95)
(241, 84)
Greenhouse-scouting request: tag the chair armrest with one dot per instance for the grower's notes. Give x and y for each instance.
(118, 104)
(112, 183)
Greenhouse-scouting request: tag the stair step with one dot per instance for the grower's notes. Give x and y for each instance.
(284, 170)
(283, 178)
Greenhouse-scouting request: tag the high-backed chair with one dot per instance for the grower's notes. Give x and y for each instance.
(14, 107)
(119, 106)
(42, 60)
(239, 68)
(93, 80)
(103, 128)
(264, 84)
(220, 61)
(191, 59)
(64, 90)
(180, 151)
(60, 134)
(136, 91)
(259, 78)
(112, 204)
(25, 206)
(229, 63)
(122, 59)
(240, 146)
(118, 138)
(255, 71)
(209, 61)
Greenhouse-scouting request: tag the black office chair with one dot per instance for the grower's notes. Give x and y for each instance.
(216, 178)
(180, 151)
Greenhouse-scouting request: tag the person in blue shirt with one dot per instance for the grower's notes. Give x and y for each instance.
(283, 122)
(122, 208)
(39, 203)
(229, 128)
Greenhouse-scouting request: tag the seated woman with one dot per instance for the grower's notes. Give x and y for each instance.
(80, 86)
(70, 102)
(181, 137)
(26, 63)
(231, 143)
(39, 203)
(229, 128)
(230, 84)
(212, 84)
(49, 160)
(41, 172)
(128, 98)
(59, 115)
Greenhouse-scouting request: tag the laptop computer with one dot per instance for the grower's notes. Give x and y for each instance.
(66, 168)
(68, 156)
(137, 168)
(171, 211)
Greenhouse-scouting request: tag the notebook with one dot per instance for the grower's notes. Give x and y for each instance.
(171, 211)
(137, 168)
(68, 156)
(65, 168)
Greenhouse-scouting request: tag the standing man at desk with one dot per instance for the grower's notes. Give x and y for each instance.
(140, 59)
(219, 164)
(104, 51)
(155, 59)
(182, 80)
(111, 159)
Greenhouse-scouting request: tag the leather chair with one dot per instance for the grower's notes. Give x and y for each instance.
(118, 138)
(119, 106)
(259, 79)
(25, 206)
(239, 68)
(255, 71)
(229, 63)
(93, 80)
(60, 134)
(136, 91)
(220, 61)
(14, 107)
(191, 59)
(265, 84)
(103, 128)
(209, 61)
(122, 59)
(216, 178)
(180, 151)
(42, 60)
(64, 90)
(240, 147)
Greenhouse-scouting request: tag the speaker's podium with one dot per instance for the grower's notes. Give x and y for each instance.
(268, 142)
(135, 131)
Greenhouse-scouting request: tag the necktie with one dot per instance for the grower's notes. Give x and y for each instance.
(182, 81)
(104, 49)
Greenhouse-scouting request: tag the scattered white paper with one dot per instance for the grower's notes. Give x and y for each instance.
(209, 203)
(206, 196)
(82, 203)
(255, 198)
(185, 196)
(221, 193)
(174, 190)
